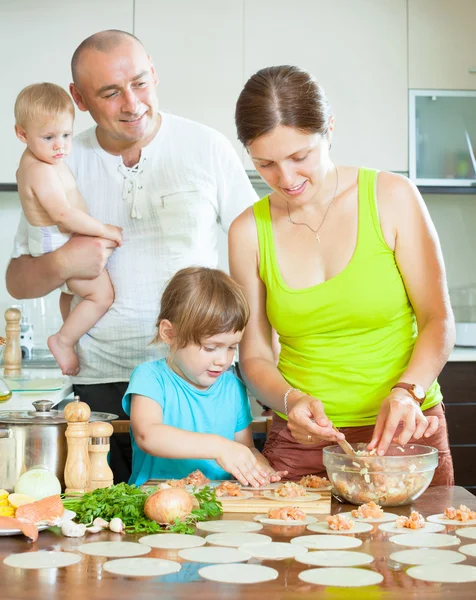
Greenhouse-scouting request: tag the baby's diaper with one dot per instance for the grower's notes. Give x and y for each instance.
(42, 240)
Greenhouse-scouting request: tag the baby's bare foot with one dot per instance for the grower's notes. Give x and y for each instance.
(64, 354)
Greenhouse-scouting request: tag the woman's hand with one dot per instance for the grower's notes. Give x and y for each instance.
(399, 407)
(308, 423)
(240, 461)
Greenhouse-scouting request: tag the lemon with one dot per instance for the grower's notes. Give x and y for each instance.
(7, 511)
(3, 494)
(17, 500)
(4, 501)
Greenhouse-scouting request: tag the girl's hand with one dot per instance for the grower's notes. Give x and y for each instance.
(240, 461)
(271, 475)
(399, 407)
(308, 423)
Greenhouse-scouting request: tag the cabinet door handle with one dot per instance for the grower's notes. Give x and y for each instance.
(472, 70)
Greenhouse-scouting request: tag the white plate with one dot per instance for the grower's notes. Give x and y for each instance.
(19, 531)
(306, 498)
(323, 527)
(387, 516)
(264, 519)
(235, 540)
(428, 528)
(327, 542)
(425, 540)
(244, 496)
(341, 577)
(67, 516)
(326, 488)
(228, 526)
(444, 521)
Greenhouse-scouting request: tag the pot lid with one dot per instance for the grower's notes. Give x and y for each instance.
(43, 415)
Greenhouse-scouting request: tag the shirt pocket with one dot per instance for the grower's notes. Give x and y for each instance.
(184, 210)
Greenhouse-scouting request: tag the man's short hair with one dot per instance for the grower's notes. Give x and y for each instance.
(41, 101)
(103, 41)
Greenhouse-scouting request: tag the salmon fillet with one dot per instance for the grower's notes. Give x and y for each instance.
(48, 509)
(26, 527)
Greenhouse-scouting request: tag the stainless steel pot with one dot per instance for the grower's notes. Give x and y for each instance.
(31, 438)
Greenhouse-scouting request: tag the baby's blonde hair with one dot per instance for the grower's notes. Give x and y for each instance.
(41, 101)
(200, 303)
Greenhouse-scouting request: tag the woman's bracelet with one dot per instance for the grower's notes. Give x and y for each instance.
(286, 398)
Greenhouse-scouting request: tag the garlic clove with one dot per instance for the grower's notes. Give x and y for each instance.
(116, 525)
(101, 523)
(93, 529)
(70, 529)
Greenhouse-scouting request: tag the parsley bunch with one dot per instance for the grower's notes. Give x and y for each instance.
(127, 502)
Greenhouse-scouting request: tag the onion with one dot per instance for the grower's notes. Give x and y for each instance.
(38, 483)
(167, 505)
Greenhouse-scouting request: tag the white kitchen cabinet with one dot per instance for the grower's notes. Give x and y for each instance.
(197, 50)
(37, 41)
(357, 50)
(442, 44)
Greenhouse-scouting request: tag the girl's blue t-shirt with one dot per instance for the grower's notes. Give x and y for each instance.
(222, 409)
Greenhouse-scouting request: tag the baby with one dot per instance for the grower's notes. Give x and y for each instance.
(55, 209)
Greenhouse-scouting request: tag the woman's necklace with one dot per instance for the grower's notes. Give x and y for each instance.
(316, 231)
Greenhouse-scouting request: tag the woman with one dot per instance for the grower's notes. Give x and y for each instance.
(345, 265)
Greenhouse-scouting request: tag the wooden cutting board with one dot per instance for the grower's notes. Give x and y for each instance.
(257, 504)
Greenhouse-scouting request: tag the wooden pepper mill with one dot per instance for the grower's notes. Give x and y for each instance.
(12, 353)
(77, 469)
(101, 474)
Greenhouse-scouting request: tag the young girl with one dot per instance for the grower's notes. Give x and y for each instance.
(188, 411)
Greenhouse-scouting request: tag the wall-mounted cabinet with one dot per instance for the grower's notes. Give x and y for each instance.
(37, 41)
(358, 52)
(442, 128)
(442, 44)
(197, 49)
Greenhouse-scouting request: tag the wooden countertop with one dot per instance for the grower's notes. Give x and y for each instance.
(88, 581)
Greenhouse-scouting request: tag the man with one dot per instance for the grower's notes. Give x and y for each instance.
(165, 180)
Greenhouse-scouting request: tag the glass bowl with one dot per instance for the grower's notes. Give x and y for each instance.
(395, 479)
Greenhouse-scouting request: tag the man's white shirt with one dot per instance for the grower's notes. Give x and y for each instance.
(188, 181)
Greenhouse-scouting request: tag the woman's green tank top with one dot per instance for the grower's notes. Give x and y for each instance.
(347, 340)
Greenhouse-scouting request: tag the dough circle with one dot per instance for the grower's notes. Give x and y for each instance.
(113, 549)
(213, 555)
(341, 577)
(236, 539)
(323, 527)
(335, 558)
(42, 560)
(141, 567)
(228, 526)
(428, 556)
(443, 573)
(327, 542)
(425, 540)
(172, 541)
(240, 573)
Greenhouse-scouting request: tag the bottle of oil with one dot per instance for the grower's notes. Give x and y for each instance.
(5, 391)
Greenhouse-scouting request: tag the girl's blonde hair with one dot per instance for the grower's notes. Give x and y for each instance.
(201, 302)
(41, 101)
